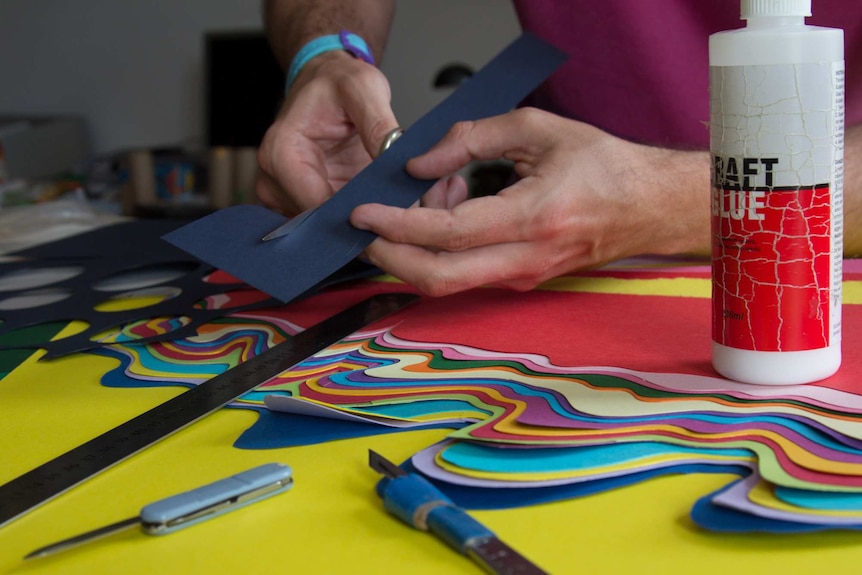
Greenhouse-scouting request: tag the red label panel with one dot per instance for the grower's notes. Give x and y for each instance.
(771, 268)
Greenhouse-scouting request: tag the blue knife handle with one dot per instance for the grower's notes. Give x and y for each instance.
(457, 528)
(418, 503)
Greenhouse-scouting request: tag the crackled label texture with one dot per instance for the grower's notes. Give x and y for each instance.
(776, 140)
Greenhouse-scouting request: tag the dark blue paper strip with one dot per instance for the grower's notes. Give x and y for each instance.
(230, 239)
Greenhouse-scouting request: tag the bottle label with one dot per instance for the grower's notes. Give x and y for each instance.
(776, 141)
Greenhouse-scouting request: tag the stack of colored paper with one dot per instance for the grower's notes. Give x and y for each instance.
(561, 430)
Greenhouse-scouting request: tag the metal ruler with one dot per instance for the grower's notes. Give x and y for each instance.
(73, 467)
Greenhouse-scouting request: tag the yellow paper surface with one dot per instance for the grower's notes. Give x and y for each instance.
(332, 520)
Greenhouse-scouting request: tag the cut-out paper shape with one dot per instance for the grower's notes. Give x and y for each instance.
(288, 404)
(33, 299)
(789, 452)
(472, 497)
(138, 299)
(753, 496)
(820, 500)
(73, 278)
(326, 240)
(710, 515)
(528, 468)
(144, 277)
(28, 278)
(762, 495)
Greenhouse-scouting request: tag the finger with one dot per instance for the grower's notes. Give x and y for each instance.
(446, 193)
(473, 223)
(487, 139)
(436, 196)
(513, 265)
(457, 191)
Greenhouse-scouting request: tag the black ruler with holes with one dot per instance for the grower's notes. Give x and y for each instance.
(73, 467)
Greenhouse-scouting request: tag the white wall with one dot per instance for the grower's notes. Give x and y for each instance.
(134, 68)
(428, 34)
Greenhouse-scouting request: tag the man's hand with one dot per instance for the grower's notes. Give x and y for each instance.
(584, 198)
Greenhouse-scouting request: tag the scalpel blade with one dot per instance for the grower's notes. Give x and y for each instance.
(496, 557)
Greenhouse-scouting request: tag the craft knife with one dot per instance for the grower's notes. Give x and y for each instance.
(415, 501)
(79, 464)
(185, 509)
(296, 221)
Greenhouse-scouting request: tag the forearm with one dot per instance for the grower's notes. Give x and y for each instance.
(853, 191)
(290, 24)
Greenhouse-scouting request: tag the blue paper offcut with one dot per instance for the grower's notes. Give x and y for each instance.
(276, 430)
(512, 497)
(230, 239)
(715, 517)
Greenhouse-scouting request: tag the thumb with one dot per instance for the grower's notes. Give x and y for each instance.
(369, 108)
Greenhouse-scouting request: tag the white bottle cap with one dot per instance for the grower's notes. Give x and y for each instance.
(754, 8)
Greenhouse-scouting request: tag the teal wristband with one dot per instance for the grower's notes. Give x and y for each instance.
(344, 40)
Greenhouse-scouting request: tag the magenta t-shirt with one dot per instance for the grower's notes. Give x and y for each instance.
(639, 69)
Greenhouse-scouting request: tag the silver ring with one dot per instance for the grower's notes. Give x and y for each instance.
(390, 139)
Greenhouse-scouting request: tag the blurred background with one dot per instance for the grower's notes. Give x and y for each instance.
(156, 107)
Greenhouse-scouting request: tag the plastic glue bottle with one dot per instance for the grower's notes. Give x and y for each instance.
(776, 143)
